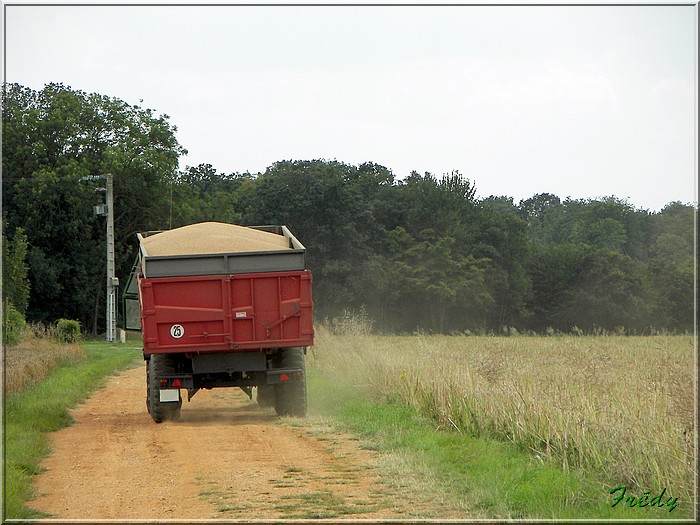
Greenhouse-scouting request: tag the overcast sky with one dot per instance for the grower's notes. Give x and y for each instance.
(576, 101)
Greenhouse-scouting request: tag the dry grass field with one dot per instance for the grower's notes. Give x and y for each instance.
(35, 358)
(618, 408)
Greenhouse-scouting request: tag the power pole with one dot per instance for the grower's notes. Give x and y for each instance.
(112, 282)
(107, 210)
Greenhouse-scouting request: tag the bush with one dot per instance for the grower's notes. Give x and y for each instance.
(68, 331)
(14, 326)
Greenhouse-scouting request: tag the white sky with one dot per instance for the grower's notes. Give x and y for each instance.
(576, 101)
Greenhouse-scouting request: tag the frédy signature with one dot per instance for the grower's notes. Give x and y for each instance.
(643, 501)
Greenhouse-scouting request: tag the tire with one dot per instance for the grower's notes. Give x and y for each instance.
(265, 396)
(158, 365)
(148, 386)
(290, 398)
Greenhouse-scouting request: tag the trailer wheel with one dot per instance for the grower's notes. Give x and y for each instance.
(265, 396)
(148, 386)
(158, 365)
(290, 398)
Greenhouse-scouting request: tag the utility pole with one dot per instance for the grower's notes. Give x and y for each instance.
(112, 281)
(107, 210)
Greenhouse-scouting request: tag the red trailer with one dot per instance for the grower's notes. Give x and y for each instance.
(224, 306)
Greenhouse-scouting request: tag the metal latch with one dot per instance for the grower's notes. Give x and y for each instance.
(268, 326)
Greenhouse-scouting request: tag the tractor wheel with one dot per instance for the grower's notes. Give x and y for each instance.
(158, 365)
(290, 398)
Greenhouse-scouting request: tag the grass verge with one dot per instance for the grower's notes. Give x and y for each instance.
(477, 477)
(44, 407)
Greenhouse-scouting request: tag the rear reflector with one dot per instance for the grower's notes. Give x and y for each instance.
(176, 382)
(287, 375)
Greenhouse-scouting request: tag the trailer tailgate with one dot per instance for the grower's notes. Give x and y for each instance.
(218, 313)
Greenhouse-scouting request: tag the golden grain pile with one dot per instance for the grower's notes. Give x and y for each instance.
(620, 408)
(210, 238)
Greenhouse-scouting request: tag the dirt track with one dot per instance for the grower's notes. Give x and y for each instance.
(225, 458)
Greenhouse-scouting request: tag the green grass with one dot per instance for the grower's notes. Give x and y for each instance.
(31, 413)
(478, 477)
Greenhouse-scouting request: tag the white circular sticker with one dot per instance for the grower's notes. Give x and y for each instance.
(177, 331)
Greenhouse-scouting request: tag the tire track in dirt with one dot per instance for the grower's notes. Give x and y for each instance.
(225, 458)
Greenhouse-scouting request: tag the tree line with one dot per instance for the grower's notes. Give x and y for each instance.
(419, 253)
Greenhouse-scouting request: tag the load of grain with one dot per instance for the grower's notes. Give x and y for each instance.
(212, 238)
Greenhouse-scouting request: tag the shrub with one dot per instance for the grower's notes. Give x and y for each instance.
(14, 326)
(68, 331)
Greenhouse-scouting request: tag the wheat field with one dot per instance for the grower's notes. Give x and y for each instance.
(619, 408)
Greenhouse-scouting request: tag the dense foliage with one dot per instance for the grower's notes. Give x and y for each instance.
(14, 326)
(419, 253)
(68, 331)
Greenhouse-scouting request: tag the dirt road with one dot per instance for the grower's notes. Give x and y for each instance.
(225, 458)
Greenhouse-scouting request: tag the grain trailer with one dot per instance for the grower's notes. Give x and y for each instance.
(222, 305)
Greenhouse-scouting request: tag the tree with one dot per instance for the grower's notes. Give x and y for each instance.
(200, 193)
(671, 267)
(541, 214)
(52, 140)
(438, 287)
(610, 293)
(443, 205)
(555, 270)
(503, 239)
(607, 233)
(15, 285)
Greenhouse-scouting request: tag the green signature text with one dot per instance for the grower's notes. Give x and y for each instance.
(643, 501)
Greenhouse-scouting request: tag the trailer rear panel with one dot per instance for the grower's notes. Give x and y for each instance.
(224, 313)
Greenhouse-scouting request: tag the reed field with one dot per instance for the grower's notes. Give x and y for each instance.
(620, 409)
